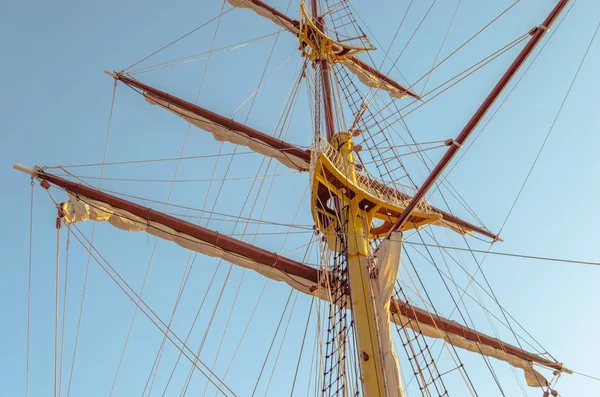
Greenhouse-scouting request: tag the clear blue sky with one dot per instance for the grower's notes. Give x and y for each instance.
(55, 102)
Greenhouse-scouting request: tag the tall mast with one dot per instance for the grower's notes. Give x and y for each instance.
(325, 77)
(355, 233)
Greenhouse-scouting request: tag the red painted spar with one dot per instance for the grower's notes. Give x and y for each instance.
(536, 35)
(286, 265)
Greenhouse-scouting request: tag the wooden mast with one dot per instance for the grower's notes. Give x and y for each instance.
(371, 368)
(536, 35)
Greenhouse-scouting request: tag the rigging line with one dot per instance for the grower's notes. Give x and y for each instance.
(147, 161)
(64, 310)
(265, 284)
(181, 37)
(456, 305)
(291, 96)
(472, 141)
(243, 178)
(445, 177)
(413, 35)
(404, 154)
(401, 117)
(132, 295)
(249, 220)
(442, 45)
(543, 258)
(56, 297)
(263, 83)
(272, 341)
(239, 217)
(186, 274)
(193, 323)
(488, 313)
(199, 56)
(266, 223)
(205, 69)
(312, 303)
(470, 70)
(587, 376)
(87, 266)
(550, 130)
(452, 348)
(282, 342)
(466, 42)
(28, 337)
(242, 278)
(481, 263)
(464, 292)
(393, 38)
(449, 56)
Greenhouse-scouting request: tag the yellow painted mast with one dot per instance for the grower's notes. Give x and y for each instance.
(356, 233)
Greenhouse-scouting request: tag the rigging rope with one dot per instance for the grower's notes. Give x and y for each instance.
(181, 37)
(143, 306)
(196, 57)
(29, 291)
(87, 266)
(57, 284)
(543, 258)
(550, 129)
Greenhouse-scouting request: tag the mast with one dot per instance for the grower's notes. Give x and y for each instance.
(325, 76)
(357, 244)
(536, 35)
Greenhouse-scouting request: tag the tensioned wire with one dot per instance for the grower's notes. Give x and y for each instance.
(200, 56)
(131, 294)
(219, 17)
(566, 95)
(243, 178)
(537, 156)
(467, 72)
(229, 165)
(144, 308)
(394, 65)
(87, 266)
(242, 278)
(216, 18)
(401, 118)
(442, 44)
(293, 101)
(512, 89)
(260, 298)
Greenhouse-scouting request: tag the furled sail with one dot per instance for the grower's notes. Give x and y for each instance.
(368, 75)
(86, 203)
(264, 10)
(386, 270)
(222, 128)
(373, 78)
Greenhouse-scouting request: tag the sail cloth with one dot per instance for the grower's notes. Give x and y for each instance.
(366, 74)
(128, 216)
(372, 78)
(386, 269)
(80, 208)
(268, 12)
(532, 377)
(289, 158)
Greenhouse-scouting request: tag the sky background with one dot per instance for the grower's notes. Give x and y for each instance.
(55, 105)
